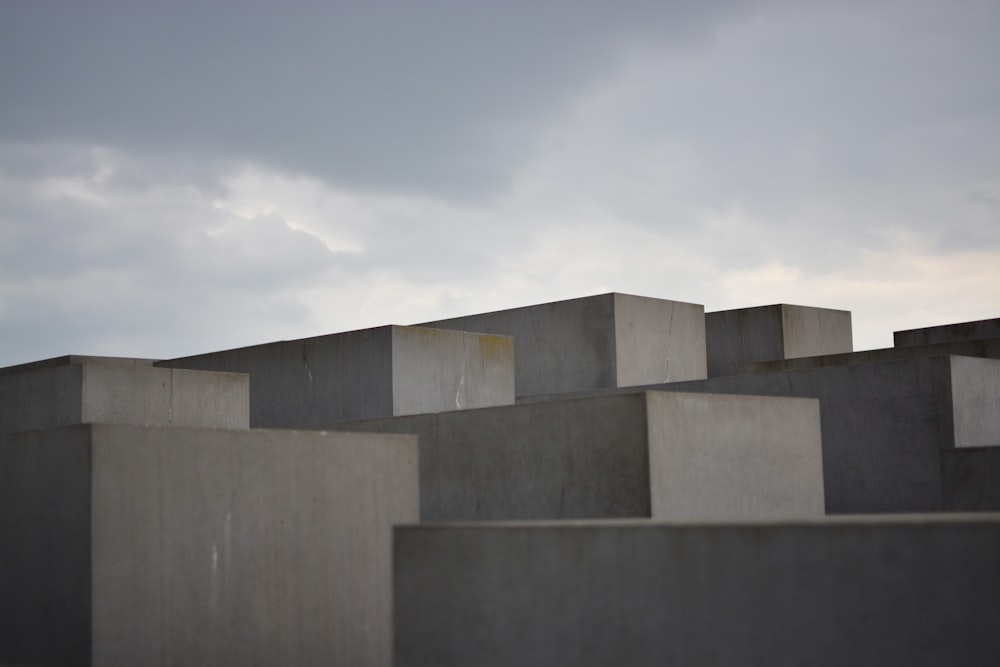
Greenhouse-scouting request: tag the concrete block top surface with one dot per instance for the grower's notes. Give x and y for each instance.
(607, 340)
(369, 373)
(948, 333)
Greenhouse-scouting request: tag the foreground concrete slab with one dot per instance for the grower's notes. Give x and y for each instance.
(127, 545)
(904, 591)
(75, 390)
(370, 373)
(949, 333)
(610, 340)
(736, 337)
(886, 425)
(987, 349)
(656, 454)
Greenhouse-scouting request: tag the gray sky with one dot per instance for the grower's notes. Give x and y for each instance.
(186, 176)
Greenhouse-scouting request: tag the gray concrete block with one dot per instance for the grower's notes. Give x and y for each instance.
(379, 372)
(656, 454)
(782, 331)
(948, 333)
(987, 349)
(610, 340)
(885, 425)
(75, 390)
(903, 591)
(127, 545)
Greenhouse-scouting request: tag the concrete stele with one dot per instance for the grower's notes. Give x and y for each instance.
(764, 333)
(365, 374)
(657, 454)
(178, 546)
(609, 340)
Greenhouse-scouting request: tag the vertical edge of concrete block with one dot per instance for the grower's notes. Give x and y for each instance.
(739, 336)
(723, 457)
(235, 547)
(975, 401)
(45, 549)
(435, 370)
(658, 341)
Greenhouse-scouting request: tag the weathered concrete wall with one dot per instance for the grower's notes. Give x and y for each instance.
(365, 374)
(782, 331)
(610, 340)
(633, 455)
(948, 333)
(75, 392)
(920, 591)
(987, 349)
(884, 425)
(156, 546)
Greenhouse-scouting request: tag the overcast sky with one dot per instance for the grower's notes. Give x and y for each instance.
(188, 176)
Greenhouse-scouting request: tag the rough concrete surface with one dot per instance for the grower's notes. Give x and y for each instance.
(176, 546)
(948, 333)
(609, 340)
(83, 391)
(764, 333)
(366, 374)
(901, 591)
(634, 455)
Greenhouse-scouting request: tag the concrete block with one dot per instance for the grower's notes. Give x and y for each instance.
(76, 390)
(610, 340)
(655, 454)
(126, 545)
(948, 333)
(885, 425)
(736, 337)
(365, 374)
(987, 349)
(921, 591)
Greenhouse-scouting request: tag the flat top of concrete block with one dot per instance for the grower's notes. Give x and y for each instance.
(77, 359)
(872, 520)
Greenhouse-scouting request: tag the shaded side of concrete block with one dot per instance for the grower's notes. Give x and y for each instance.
(948, 333)
(764, 333)
(45, 557)
(207, 546)
(73, 393)
(970, 479)
(920, 592)
(629, 455)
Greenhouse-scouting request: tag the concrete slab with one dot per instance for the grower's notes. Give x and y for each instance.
(987, 349)
(76, 390)
(127, 545)
(379, 372)
(663, 455)
(948, 333)
(609, 340)
(886, 424)
(764, 333)
(908, 591)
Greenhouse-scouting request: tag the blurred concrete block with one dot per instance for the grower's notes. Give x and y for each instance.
(76, 390)
(922, 590)
(736, 337)
(656, 454)
(126, 545)
(610, 340)
(948, 333)
(379, 372)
